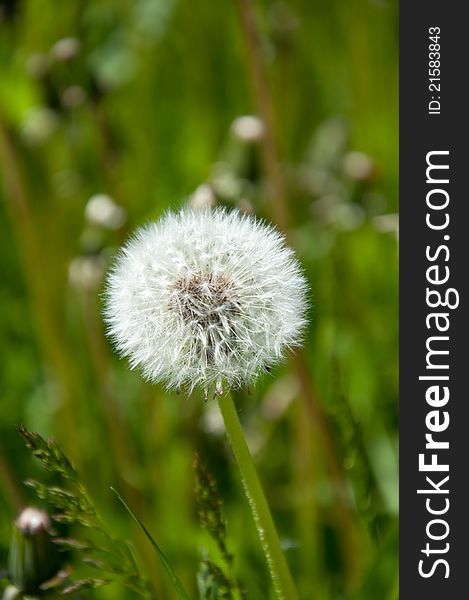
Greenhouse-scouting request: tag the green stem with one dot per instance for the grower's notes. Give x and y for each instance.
(38, 275)
(274, 178)
(276, 561)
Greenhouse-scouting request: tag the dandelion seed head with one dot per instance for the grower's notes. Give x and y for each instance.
(205, 298)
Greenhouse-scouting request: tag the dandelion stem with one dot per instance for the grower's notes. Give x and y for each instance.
(276, 561)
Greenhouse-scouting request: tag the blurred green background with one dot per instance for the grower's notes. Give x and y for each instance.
(110, 113)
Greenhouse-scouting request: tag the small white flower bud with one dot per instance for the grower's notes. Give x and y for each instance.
(348, 216)
(101, 210)
(38, 126)
(86, 272)
(203, 197)
(387, 224)
(225, 182)
(245, 206)
(248, 129)
(33, 558)
(66, 48)
(279, 398)
(11, 592)
(212, 420)
(32, 520)
(358, 165)
(73, 96)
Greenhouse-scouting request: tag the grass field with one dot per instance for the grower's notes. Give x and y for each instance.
(141, 102)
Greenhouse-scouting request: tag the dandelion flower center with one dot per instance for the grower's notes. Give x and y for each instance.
(205, 300)
(207, 304)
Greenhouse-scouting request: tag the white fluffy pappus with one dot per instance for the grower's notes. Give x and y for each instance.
(205, 298)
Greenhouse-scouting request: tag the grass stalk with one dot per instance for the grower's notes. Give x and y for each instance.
(19, 207)
(277, 194)
(343, 506)
(278, 567)
(274, 178)
(123, 453)
(12, 491)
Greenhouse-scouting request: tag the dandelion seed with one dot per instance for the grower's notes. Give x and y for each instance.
(205, 298)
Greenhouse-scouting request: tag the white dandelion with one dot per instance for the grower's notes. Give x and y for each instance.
(205, 298)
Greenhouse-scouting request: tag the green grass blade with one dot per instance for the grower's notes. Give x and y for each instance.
(181, 592)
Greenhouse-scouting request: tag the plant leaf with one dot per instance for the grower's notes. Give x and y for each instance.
(181, 592)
